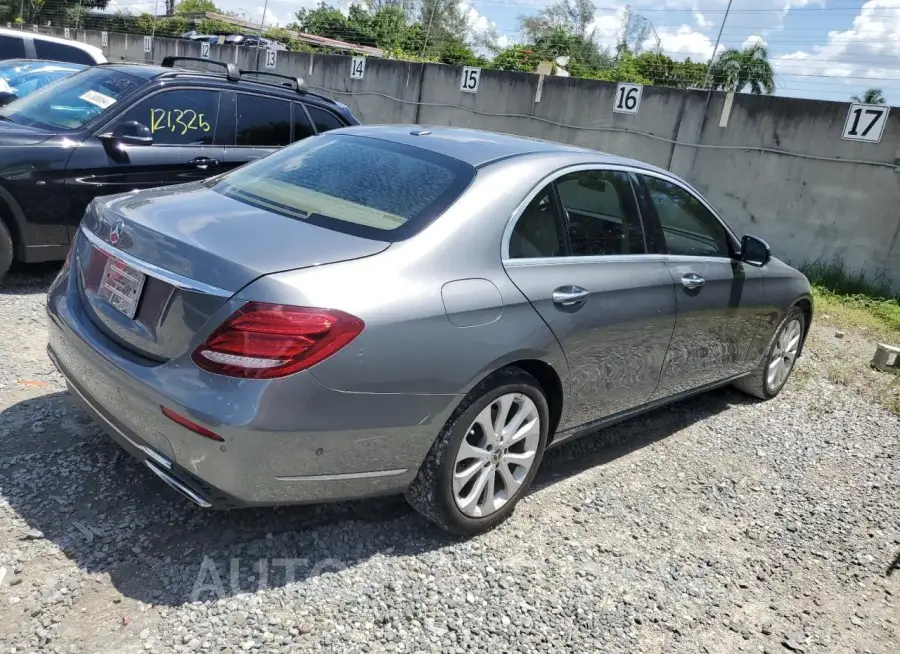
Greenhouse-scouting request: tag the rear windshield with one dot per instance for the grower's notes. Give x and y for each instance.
(357, 185)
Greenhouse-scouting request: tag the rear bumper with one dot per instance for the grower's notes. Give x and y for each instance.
(327, 446)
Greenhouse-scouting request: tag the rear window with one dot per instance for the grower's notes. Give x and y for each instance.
(357, 185)
(62, 52)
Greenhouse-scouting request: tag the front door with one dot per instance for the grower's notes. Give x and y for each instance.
(183, 125)
(579, 255)
(720, 299)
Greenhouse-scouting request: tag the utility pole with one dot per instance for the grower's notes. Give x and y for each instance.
(718, 41)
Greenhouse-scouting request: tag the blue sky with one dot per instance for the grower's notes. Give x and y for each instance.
(827, 49)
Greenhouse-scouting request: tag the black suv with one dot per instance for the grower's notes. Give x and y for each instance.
(114, 128)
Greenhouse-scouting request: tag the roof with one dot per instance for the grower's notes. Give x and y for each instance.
(95, 52)
(312, 39)
(477, 147)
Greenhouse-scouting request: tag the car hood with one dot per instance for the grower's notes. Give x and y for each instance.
(15, 135)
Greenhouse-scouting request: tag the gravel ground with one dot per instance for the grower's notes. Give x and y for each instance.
(720, 524)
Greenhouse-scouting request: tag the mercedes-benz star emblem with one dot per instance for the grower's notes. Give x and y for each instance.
(115, 232)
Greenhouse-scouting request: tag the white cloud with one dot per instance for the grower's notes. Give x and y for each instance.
(753, 39)
(870, 48)
(683, 42)
(702, 21)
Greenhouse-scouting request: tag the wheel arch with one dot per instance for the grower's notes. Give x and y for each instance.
(13, 217)
(805, 304)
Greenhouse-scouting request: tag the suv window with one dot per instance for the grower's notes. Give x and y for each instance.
(263, 121)
(601, 212)
(688, 227)
(178, 117)
(61, 52)
(324, 120)
(11, 47)
(538, 230)
(302, 126)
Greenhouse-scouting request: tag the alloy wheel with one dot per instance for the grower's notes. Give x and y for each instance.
(496, 455)
(783, 355)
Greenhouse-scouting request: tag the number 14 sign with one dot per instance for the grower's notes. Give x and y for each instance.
(865, 122)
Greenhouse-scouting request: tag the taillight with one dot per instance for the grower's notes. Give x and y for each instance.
(263, 341)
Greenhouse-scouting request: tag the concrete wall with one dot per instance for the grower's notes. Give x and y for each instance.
(779, 168)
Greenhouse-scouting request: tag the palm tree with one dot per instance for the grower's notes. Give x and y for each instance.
(871, 96)
(736, 69)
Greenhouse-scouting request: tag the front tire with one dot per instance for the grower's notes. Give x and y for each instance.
(6, 250)
(776, 366)
(486, 457)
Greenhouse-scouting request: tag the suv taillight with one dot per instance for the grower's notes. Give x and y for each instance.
(264, 341)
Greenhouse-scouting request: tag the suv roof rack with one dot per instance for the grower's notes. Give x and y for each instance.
(231, 71)
(298, 84)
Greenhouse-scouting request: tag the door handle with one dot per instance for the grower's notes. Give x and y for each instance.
(692, 280)
(569, 295)
(205, 162)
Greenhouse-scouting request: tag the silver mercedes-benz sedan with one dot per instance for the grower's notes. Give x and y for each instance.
(396, 309)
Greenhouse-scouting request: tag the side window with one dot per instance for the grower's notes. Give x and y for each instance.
(688, 227)
(302, 126)
(11, 47)
(324, 120)
(263, 121)
(538, 231)
(602, 213)
(61, 52)
(180, 117)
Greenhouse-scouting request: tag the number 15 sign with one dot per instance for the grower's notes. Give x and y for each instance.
(865, 122)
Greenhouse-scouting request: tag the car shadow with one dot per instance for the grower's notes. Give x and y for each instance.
(23, 279)
(73, 486)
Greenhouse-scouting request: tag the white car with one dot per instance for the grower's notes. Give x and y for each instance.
(20, 44)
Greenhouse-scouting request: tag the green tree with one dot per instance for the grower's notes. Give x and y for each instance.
(522, 58)
(196, 7)
(734, 70)
(871, 96)
(665, 71)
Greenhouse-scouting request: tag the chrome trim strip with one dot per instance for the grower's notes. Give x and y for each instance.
(346, 476)
(178, 486)
(510, 225)
(151, 454)
(614, 258)
(174, 279)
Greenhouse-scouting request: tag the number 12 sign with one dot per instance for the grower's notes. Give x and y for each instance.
(865, 122)
(628, 98)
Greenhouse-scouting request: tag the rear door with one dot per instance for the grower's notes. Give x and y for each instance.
(183, 123)
(578, 253)
(720, 299)
(263, 124)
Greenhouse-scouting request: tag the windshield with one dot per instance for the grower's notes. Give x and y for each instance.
(24, 77)
(72, 102)
(362, 186)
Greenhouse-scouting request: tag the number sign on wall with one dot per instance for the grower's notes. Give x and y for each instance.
(67, 33)
(628, 98)
(865, 122)
(357, 67)
(148, 44)
(471, 77)
(271, 58)
(104, 39)
(204, 50)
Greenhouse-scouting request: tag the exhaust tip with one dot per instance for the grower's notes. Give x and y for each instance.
(174, 483)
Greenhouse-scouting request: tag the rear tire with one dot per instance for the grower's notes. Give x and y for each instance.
(474, 474)
(6, 250)
(770, 376)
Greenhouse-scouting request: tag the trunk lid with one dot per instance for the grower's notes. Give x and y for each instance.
(192, 248)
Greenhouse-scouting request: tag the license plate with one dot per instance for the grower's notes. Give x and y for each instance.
(121, 286)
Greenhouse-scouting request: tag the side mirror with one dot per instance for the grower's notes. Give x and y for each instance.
(755, 251)
(7, 97)
(129, 133)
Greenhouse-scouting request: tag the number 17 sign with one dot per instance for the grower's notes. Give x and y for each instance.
(865, 122)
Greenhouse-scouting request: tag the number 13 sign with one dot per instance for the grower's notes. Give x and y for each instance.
(865, 122)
